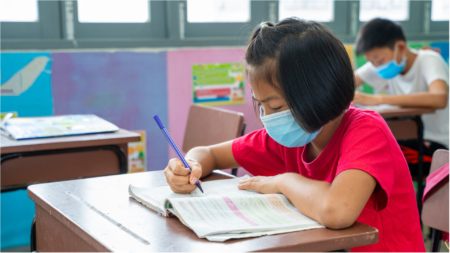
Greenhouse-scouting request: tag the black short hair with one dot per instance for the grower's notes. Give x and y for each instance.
(310, 65)
(378, 33)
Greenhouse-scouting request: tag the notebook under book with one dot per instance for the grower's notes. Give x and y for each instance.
(224, 212)
(54, 126)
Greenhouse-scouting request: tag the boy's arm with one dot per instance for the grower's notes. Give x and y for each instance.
(436, 97)
(358, 81)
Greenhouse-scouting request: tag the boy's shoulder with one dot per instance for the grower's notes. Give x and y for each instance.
(428, 53)
(428, 56)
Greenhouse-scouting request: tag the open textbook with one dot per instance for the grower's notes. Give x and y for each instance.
(224, 212)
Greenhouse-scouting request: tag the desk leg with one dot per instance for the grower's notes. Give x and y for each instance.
(436, 237)
(419, 122)
(33, 235)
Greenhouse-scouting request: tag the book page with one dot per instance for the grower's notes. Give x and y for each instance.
(228, 236)
(155, 198)
(236, 214)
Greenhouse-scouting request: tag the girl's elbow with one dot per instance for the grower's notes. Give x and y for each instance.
(335, 217)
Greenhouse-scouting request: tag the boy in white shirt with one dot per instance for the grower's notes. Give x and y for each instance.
(415, 79)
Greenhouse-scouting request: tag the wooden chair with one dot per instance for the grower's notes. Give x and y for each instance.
(209, 126)
(411, 128)
(435, 210)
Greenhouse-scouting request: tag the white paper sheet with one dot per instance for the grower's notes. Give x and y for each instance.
(155, 198)
(234, 214)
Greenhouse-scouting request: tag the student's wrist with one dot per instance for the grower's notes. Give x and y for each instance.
(280, 182)
(192, 160)
(381, 99)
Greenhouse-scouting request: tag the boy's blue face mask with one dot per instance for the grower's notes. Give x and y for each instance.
(283, 128)
(391, 68)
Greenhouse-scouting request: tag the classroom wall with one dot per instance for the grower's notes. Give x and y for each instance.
(125, 88)
(179, 83)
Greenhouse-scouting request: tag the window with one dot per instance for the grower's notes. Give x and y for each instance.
(208, 11)
(397, 10)
(317, 10)
(113, 11)
(439, 10)
(19, 11)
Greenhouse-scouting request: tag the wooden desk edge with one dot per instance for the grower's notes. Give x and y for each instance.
(342, 242)
(71, 225)
(403, 112)
(76, 143)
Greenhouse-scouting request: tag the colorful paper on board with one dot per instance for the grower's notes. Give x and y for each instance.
(137, 155)
(218, 84)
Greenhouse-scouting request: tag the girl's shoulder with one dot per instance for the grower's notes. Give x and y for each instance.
(356, 117)
(365, 126)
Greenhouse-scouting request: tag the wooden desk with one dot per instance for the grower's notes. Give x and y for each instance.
(403, 112)
(61, 158)
(406, 123)
(97, 214)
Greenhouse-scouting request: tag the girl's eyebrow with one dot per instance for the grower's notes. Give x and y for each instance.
(266, 99)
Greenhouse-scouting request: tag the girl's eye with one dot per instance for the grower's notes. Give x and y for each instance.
(276, 109)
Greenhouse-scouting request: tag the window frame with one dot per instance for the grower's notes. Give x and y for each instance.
(48, 25)
(224, 30)
(147, 30)
(50, 32)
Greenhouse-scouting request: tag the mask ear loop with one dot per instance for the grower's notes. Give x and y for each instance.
(395, 53)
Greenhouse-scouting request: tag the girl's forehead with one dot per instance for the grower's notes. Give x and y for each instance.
(262, 90)
(262, 76)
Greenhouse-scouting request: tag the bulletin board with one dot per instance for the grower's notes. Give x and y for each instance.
(218, 84)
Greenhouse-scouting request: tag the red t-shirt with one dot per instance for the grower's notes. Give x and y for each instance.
(362, 141)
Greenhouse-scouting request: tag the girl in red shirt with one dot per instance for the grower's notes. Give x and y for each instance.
(337, 164)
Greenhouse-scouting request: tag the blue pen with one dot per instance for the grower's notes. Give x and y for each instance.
(174, 146)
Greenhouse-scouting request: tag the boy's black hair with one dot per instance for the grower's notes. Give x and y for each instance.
(308, 64)
(378, 33)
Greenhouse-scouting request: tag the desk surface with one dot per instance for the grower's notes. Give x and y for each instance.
(399, 112)
(8, 146)
(100, 211)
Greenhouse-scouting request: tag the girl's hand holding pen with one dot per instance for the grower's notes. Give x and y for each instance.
(178, 177)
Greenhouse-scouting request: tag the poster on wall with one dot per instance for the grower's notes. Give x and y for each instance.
(218, 84)
(26, 84)
(137, 155)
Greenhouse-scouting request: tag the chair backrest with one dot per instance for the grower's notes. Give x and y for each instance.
(209, 125)
(403, 129)
(435, 209)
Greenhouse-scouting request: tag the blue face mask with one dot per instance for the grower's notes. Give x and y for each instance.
(391, 69)
(283, 128)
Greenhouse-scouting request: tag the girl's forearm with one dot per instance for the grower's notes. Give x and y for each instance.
(205, 157)
(335, 205)
(306, 194)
